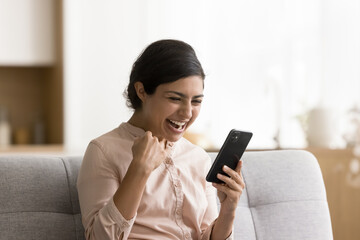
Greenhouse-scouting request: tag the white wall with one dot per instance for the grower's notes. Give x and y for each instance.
(266, 61)
(101, 42)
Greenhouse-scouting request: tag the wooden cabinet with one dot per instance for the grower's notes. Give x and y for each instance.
(31, 72)
(27, 30)
(342, 184)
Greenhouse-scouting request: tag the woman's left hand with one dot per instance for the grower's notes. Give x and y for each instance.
(230, 191)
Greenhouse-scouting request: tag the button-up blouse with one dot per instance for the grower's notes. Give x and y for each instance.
(177, 202)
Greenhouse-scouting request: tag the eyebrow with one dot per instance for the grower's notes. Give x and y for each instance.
(183, 95)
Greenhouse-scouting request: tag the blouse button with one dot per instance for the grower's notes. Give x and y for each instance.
(176, 183)
(187, 235)
(178, 212)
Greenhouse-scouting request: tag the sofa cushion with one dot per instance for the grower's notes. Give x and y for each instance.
(39, 198)
(37, 225)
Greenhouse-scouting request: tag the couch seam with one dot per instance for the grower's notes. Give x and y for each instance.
(251, 212)
(289, 201)
(71, 203)
(38, 212)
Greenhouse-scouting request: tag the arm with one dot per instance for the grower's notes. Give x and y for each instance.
(97, 182)
(148, 154)
(108, 207)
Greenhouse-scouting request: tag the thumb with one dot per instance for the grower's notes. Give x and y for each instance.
(163, 142)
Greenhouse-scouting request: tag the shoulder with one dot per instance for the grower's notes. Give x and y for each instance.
(111, 150)
(112, 139)
(119, 139)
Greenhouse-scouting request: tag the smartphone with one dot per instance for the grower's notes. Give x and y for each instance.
(230, 153)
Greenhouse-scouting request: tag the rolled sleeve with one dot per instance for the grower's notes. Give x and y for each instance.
(207, 233)
(110, 224)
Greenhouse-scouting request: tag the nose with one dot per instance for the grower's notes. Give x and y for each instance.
(186, 110)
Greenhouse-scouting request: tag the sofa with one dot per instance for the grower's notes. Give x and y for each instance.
(284, 198)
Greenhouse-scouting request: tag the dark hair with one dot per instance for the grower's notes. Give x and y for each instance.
(162, 62)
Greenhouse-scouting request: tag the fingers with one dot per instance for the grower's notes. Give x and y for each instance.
(234, 180)
(149, 136)
(239, 166)
(227, 191)
(231, 183)
(234, 174)
(163, 143)
(149, 141)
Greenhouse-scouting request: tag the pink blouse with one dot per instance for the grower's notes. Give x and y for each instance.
(177, 202)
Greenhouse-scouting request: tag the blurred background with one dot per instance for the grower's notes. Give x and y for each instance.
(287, 70)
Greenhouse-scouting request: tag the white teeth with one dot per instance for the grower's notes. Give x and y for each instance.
(178, 123)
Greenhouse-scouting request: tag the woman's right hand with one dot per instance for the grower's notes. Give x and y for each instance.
(149, 152)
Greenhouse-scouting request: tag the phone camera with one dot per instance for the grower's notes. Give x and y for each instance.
(234, 138)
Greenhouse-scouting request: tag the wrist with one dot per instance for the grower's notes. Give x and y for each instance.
(223, 225)
(138, 168)
(227, 213)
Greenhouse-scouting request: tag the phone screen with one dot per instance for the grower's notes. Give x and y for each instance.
(229, 154)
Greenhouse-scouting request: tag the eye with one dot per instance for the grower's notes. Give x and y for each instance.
(197, 101)
(175, 99)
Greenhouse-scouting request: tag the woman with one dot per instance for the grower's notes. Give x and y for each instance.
(143, 180)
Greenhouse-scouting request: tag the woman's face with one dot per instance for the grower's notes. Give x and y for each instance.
(173, 107)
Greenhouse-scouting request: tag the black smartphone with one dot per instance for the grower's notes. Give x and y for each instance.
(229, 154)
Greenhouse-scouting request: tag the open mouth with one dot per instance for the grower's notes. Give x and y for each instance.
(177, 125)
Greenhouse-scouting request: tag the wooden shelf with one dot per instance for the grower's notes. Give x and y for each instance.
(33, 92)
(342, 194)
(33, 149)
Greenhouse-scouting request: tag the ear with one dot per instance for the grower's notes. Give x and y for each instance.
(140, 91)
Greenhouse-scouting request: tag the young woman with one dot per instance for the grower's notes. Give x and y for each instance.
(143, 180)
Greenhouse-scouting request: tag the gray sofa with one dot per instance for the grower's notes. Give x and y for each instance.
(284, 198)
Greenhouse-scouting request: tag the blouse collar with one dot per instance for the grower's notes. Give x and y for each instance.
(134, 131)
(138, 132)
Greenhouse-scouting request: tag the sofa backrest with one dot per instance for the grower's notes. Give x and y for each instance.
(38, 198)
(284, 198)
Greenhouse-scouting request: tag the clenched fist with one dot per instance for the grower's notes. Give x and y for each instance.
(149, 152)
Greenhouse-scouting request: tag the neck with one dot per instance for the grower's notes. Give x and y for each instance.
(137, 120)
